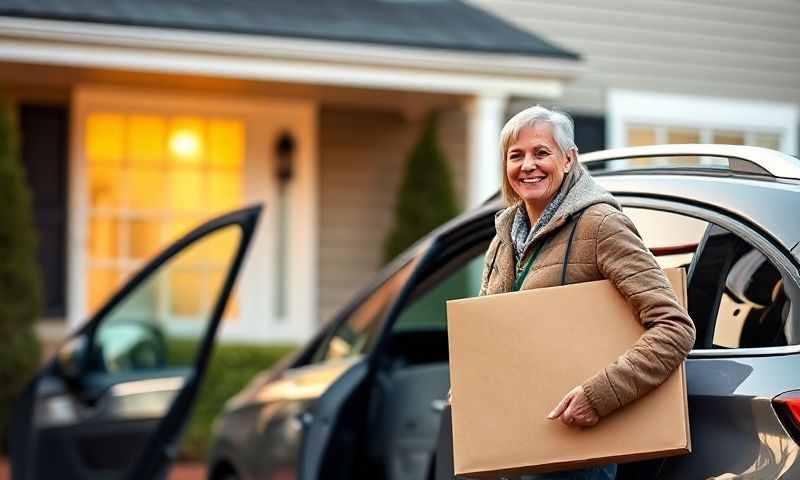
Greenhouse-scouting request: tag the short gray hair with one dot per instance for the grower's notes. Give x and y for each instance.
(563, 134)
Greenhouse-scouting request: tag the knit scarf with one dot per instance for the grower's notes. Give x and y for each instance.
(521, 232)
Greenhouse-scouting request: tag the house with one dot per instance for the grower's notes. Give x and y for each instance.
(141, 118)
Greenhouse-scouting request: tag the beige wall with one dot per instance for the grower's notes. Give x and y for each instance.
(724, 48)
(362, 155)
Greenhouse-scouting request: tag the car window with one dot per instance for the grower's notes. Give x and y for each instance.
(354, 334)
(428, 310)
(161, 323)
(736, 295)
(672, 238)
(743, 291)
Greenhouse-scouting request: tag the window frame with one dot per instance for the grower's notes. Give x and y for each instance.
(783, 261)
(630, 108)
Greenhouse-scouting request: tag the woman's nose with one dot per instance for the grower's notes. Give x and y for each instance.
(528, 163)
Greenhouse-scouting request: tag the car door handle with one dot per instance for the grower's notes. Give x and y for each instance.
(438, 405)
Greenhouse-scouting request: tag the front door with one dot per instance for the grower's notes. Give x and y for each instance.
(113, 401)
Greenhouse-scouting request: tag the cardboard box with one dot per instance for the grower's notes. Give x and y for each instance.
(514, 356)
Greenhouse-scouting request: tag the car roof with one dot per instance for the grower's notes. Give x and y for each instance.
(770, 204)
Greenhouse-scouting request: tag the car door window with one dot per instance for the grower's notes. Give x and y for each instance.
(428, 307)
(737, 296)
(357, 331)
(159, 324)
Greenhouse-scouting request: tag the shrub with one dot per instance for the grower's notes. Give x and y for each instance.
(19, 276)
(230, 368)
(426, 198)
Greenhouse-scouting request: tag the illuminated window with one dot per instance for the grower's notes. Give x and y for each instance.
(640, 135)
(151, 178)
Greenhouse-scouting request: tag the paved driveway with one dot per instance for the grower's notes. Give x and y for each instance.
(181, 471)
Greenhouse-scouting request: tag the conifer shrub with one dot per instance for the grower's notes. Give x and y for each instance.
(19, 273)
(426, 198)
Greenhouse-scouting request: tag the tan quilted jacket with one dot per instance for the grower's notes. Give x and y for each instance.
(605, 245)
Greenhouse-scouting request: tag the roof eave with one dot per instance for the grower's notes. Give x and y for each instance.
(313, 61)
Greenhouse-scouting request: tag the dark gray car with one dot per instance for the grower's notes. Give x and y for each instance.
(364, 398)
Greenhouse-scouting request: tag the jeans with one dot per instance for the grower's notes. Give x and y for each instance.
(606, 472)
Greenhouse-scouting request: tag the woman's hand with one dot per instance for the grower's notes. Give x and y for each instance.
(450, 395)
(575, 410)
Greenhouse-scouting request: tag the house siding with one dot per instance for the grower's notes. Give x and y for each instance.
(362, 158)
(736, 49)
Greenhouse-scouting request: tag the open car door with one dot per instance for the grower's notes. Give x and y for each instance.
(113, 401)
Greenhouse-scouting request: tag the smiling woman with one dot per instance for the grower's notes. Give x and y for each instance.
(553, 204)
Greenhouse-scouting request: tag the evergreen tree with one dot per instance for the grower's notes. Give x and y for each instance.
(19, 275)
(426, 198)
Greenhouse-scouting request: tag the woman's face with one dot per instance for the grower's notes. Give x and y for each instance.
(535, 165)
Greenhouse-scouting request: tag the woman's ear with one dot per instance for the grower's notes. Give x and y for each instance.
(572, 157)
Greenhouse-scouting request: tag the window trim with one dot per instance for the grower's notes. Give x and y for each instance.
(627, 107)
(783, 261)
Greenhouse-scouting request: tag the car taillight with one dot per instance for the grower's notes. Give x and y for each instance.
(787, 406)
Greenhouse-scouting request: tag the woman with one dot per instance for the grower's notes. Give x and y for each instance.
(553, 202)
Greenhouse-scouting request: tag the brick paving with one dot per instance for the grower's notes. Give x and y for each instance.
(181, 471)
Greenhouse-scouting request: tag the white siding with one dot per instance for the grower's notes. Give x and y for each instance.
(735, 49)
(362, 159)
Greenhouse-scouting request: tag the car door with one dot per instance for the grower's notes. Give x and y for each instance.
(113, 401)
(334, 424)
(740, 290)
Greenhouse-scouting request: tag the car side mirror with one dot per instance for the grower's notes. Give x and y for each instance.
(71, 358)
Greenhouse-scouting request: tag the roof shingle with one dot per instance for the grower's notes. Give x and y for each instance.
(441, 24)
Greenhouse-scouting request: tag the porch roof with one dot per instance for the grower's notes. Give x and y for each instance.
(435, 24)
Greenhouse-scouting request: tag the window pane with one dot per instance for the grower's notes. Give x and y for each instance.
(146, 145)
(105, 187)
(187, 141)
(145, 239)
(683, 135)
(729, 137)
(225, 143)
(146, 189)
(768, 141)
(224, 190)
(105, 134)
(640, 136)
(185, 188)
(102, 283)
(103, 238)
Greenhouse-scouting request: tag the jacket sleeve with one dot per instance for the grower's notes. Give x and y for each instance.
(623, 258)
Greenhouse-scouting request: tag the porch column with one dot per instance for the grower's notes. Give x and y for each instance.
(485, 114)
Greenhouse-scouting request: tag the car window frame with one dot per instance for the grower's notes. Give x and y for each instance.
(411, 259)
(778, 254)
(474, 229)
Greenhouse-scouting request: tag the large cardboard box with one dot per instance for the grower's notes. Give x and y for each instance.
(514, 356)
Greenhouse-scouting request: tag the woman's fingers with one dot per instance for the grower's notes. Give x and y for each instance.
(578, 412)
(562, 406)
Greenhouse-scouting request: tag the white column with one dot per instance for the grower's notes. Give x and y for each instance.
(485, 119)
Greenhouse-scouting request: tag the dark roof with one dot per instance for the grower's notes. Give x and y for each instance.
(446, 24)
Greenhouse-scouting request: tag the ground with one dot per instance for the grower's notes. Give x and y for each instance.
(181, 471)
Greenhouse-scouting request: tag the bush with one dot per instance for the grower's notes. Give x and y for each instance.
(230, 368)
(426, 198)
(19, 275)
